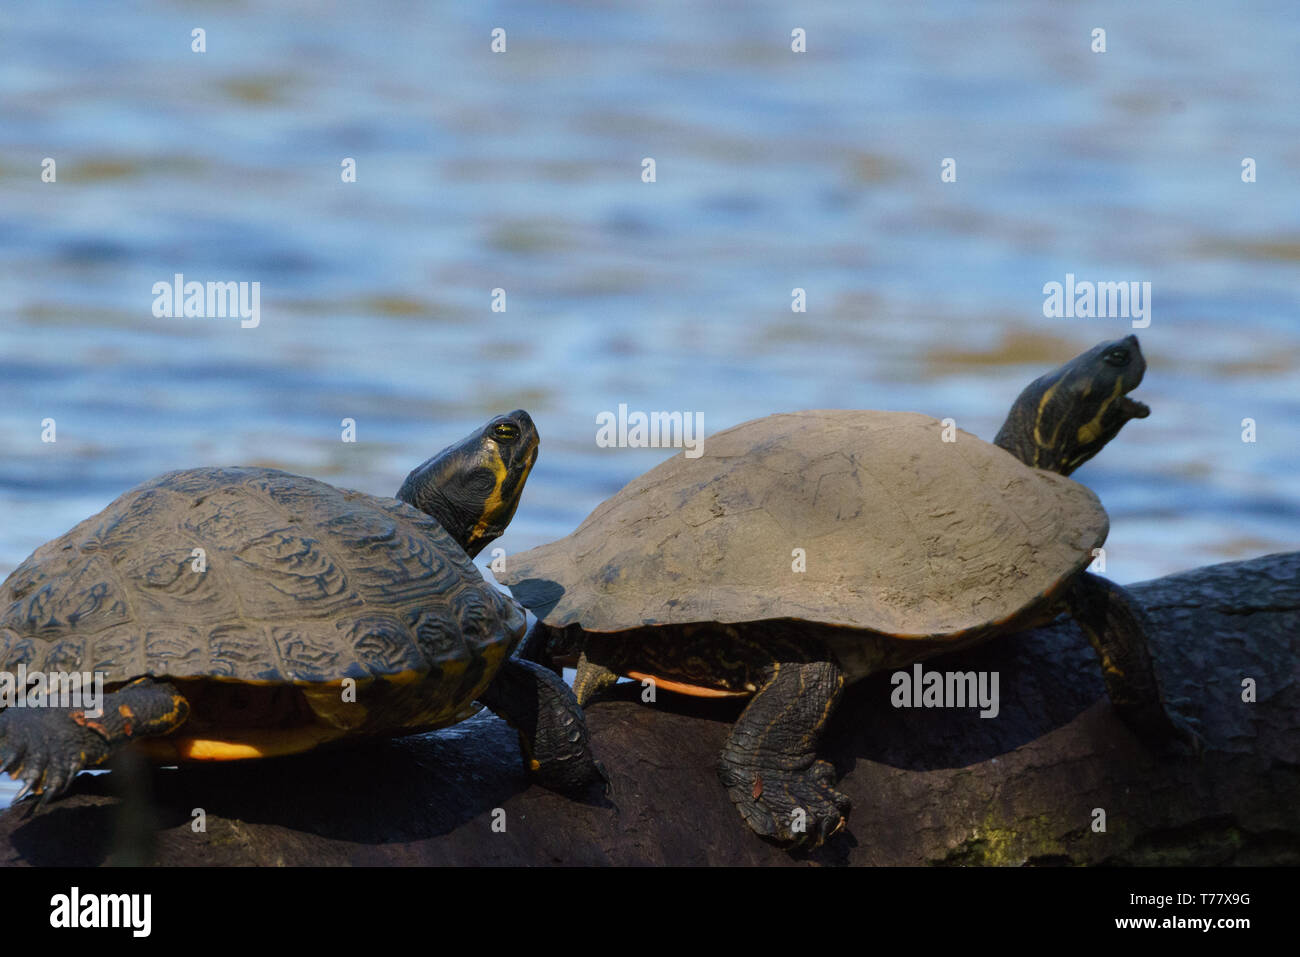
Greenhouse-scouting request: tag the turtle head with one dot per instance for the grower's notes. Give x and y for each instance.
(473, 487)
(1064, 418)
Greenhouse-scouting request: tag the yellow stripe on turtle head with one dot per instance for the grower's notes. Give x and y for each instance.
(498, 507)
(1040, 441)
(1091, 430)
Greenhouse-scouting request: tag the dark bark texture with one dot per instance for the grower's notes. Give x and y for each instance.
(929, 786)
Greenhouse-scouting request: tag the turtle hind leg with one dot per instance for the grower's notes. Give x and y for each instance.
(552, 728)
(1117, 629)
(46, 747)
(769, 764)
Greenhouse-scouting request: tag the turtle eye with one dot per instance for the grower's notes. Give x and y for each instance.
(1117, 357)
(505, 431)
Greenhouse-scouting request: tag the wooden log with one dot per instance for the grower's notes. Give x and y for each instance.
(928, 786)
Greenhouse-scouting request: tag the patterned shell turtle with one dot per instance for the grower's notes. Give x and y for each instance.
(913, 546)
(246, 612)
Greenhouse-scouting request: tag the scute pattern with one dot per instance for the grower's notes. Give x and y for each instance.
(385, 646)
(305, 654)
(292, 574)
(162, 583)
(183, 650)
(904, 534)
(439, 638)
(395, 563)
(303, 583)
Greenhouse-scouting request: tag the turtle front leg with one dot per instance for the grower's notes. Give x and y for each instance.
(552, 728)
(769, 764)
(46, 747)
(1117, 628)
(536, 646)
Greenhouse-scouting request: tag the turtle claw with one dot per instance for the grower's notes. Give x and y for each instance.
(792, 807)
(26, 752)
(24, 792)
(57, 780)
(32, 774)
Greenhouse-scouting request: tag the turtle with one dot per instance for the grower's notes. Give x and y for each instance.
(247, 612)
(804, 551)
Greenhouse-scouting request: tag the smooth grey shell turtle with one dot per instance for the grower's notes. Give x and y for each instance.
(913, 546)
(230, 610)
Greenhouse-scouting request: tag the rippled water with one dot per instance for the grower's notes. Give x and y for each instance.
(522, 171)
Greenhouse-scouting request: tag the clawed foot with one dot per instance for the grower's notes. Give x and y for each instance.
(793, 807)
(577, 775)
(44, 749)
(552, 729)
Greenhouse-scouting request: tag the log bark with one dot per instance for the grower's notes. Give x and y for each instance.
(937, 786)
